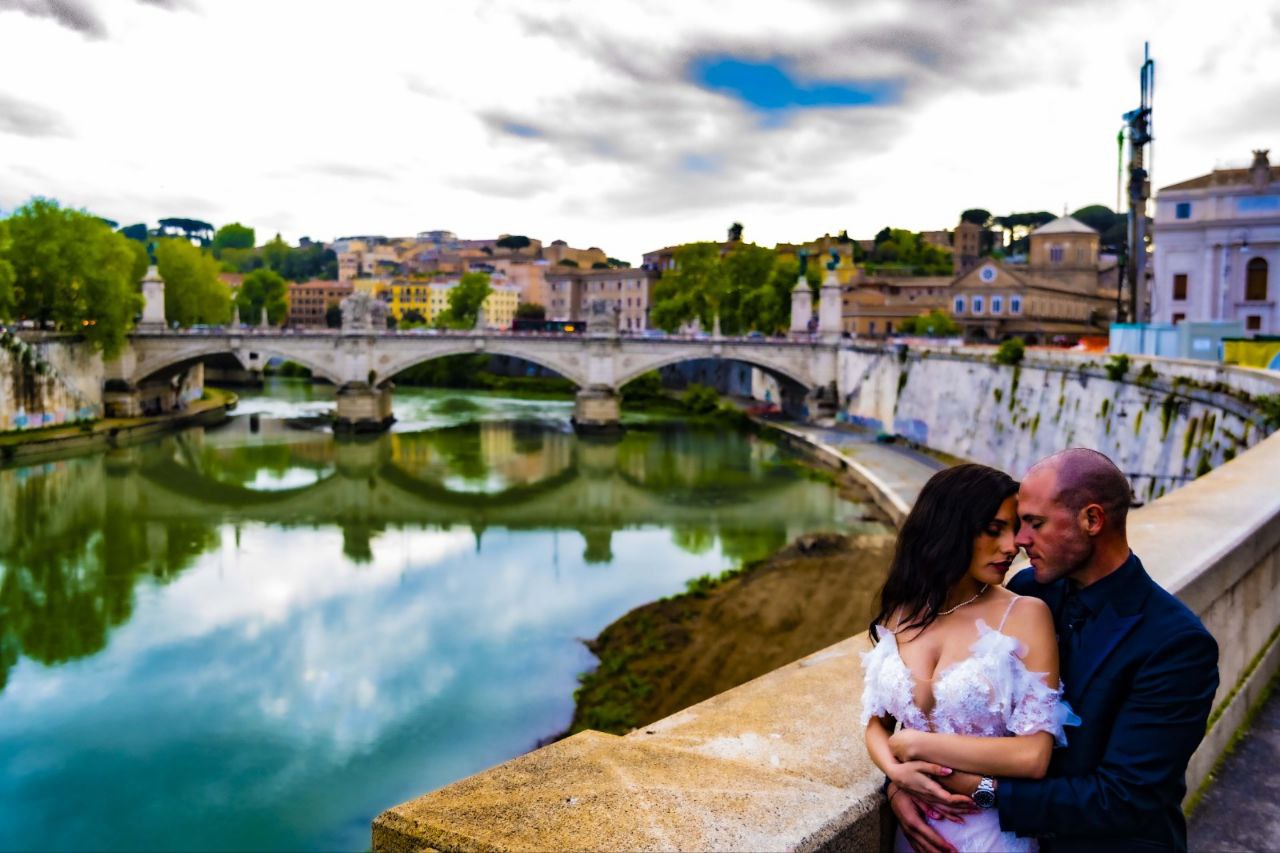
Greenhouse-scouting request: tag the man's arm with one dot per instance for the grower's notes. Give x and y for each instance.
(1156, 729)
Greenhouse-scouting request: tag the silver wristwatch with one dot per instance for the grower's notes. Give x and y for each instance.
(985, 796)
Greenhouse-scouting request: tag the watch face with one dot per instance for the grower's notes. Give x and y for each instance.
(988, 274)
(984, 799)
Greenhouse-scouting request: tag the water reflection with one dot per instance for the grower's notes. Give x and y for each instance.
(256, 639)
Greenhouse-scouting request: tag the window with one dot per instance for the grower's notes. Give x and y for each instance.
(1015, 304)
(1055, 254)
(997, 304)
(1183, 210)
(1178, 318)
(871, 327)
(1255, 285)
(1253, 322)
(959, 305)
(1180, 286)
(977, 304)
(888, 327)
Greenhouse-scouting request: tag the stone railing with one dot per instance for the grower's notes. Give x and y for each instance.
(779, 762)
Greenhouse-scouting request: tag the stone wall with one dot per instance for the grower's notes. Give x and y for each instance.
(1163, 427)
(46, 380)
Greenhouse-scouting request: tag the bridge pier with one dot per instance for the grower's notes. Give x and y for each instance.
(362, 408)
(597, 410)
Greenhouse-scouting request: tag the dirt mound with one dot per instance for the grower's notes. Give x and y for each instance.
(667, 655)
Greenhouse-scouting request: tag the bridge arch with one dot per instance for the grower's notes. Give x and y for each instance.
(570, 367)
(159, 362)
(644, 364)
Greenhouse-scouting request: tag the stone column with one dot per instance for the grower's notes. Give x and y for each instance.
(822, 403)
(362, 408)
(830, 308)
(597, 411)
(801, 308)
(152, 302)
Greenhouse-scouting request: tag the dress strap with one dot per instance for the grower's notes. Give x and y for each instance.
(1007, 610)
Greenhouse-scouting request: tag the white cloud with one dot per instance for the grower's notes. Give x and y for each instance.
(576, 121)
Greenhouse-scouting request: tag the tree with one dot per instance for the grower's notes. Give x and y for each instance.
(1112, 226)
(531, 311)
(261, 289)
(191, 229)
(935, 324)
(465, 300)
(976, 216)
(694, 290)
(568, 262)
(750, 269)
(137, 231)
(232, 236)
(735, 232)
(275, 255)
(614, 263)
(412, 318)
(599, 265)
(72, 272)
(514, 241)
(6, 275)
(333, 316)
(192, 291)
(907, 251)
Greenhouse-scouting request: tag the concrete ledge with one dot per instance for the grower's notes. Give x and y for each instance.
(776, 763)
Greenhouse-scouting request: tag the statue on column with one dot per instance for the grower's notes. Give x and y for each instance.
(363, 313)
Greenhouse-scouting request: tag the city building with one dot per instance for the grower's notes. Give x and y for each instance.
(310, 300)
(874, 306)
(1217, 248)
(628, 291)
(559, 251)
(1065, 289)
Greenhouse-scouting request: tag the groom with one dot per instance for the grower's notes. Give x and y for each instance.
(1137, 666)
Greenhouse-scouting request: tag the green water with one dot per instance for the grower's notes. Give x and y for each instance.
(255, 637)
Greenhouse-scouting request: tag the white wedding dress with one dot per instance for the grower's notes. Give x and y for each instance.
(990, 693)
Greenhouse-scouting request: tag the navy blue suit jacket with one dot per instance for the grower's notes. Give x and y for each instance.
(1142, 680)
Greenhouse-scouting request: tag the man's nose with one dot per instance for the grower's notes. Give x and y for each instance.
(1023, 539)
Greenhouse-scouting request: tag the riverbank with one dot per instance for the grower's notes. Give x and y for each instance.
(721, 632)
(54, 442)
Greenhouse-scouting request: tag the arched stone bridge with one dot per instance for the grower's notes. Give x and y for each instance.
(361, 364)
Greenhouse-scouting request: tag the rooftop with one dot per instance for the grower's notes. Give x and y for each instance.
(1064, 225)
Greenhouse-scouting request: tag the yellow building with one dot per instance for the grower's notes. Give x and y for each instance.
(409, 295)
(1259, 352)
(500, 306)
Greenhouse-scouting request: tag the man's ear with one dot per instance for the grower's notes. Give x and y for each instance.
(1092, 517)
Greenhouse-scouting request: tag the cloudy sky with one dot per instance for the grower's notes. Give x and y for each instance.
(626, 124)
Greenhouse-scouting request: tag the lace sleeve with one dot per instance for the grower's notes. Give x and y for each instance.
(876, 690)
(1039, 708)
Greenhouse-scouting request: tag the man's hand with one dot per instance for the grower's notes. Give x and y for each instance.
(960, 782)
(920, 778)
(911, 817)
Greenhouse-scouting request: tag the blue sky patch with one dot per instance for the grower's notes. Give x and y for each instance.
(772, 86)
(699, 164)
(524, 131)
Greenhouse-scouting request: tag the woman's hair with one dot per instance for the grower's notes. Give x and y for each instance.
(935, 544)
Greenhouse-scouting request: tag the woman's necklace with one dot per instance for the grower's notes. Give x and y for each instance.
(976, 596)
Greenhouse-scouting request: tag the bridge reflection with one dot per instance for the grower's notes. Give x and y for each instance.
(82, 534)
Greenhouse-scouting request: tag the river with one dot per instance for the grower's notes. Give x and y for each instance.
(256, 637)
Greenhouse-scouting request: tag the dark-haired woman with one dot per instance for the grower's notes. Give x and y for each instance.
(966, 668)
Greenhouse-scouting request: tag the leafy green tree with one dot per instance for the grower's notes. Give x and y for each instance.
(976, 216)
(694, 290)
(275, 255)
(72, 272)
(192, 292)
(568, 262)
(735, 232)
(232, 236)
(6, 275)
(137, 232)
(412, 319)
(750, 271)
(531, 311)
(241, 260)
(263, 289)
(935, 324)
(907, 251)
(465, 299)
(1112, 226)
(616, 264)
(333, 316)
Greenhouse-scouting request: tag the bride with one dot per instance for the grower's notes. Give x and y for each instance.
(967, 669)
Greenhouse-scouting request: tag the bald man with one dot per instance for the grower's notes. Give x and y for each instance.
(1137, 666)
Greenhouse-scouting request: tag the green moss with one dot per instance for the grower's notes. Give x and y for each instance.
(1167, 408)
(1189, 438)
(902, 379)
(998, 393)
(1137, 422)
(1013, 387)
(1035, 424)
(1116, 367)
(1146, 375)
(1228, 454)
(1106, 407)
(1203, 466)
